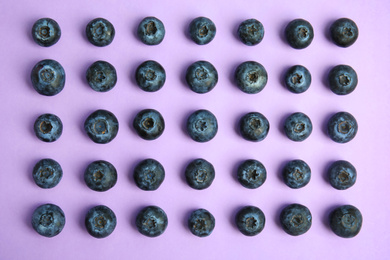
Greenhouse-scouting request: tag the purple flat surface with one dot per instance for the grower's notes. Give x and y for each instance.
(21, 105)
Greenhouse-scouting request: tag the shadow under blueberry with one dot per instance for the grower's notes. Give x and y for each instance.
(326, 31)
(282, 32)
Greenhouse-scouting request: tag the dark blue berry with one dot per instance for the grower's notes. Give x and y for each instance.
(201, 223)
(101, 126)
(150, 76)
(342, 175)
(342, 127)
(101, 76)
(202, 126)
(48, 77)
(254, 127)
(251, 174)
(151, 31)
(48, 220)
(346, 221)
(297, 79)
(299, 33)
(46, 32)
(295, 219)
(151, 221)
(251, 77)
(100, 221)
(342, 79)
(47, 173)
(251, 32)
(48, 127)
(149, 124)
(296, 174)
(100, 176)
(199, 174)
(100, 32)
(201, 77)
(344, 32)
(298, 127)
(250, 220)
(149, 174)
(202, 30)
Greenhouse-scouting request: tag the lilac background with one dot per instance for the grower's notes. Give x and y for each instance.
(20, 105)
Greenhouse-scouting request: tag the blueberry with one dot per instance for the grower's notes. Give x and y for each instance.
(48, 127)
(342, 79)
(199, 174)
(201, 77)
(251, 77)
(342, 175)
(150, 76)
(48, 220)
(202, 30)
(151, 31)
(100, 221)
(295, 219)
(251, 32)
(299, 33)
(101, 126)
(48, 77)
(254, 127)
(100, 32)
(296, 174)
(202, 126)
(201, 223)
(149, 174)
(344, 32)
(297, 79)
(151, 221)
(346, 221)
(298, 127)
(100, 176)
(46, 32)
(251, 174)
(47, 173)
(101, 76)
(250, 220)
(149, 124)
(342, 127)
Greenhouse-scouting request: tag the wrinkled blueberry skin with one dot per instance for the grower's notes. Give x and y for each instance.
(202, 30)
(150, 76)
(250, 220)
(299, 33)
(48, 220)
(151, 221)
(202, 126)
(48, 77)
(101, 76)
(101, 126)
(342, 175)
(100, 221)
(47, 173)
(201, 223)
(344, 32)
(251, 174)
(298, 127)
(342, 127)
(100, 176)
(100, 32)
(254, 127)
(200, 174)
(251, 32)
(296, 174)
(149, 174)
(295, 219)
(342, 79)
(48, 127)
(151, 31)
(149, 124)
(251, 77)
(346, 221)
(46, 32)
(297, 79)
(201, 77)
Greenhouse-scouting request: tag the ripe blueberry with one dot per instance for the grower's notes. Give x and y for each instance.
(202, 30)
(342, 79)
(250, 220)
(46, 32)
(346, 221)
(101, 76)
(47, 173)
(48, 220)
(342, 175)
(299, 33)
(201, 77)
(254, 127)
(100, 32)
(251, 77)
(100, 176)
(295, 219)
(251, 174)
(296, 174)
(297, 79)
(149, 174)
(344, 32)
(199, 174)
(100, 221)
(149, 124)
(251, 32)
(48, 127)
(151, 31)
(298, 127)
(48, 77)
(151, 221)
(202, 126)
(342, 127)
(101, 126)
(150, 76)
(201, 223)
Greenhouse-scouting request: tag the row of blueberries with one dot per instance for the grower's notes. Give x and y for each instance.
(102, 126)
(149, 174)
(295, 219)
(48, 77)
(298, 33)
